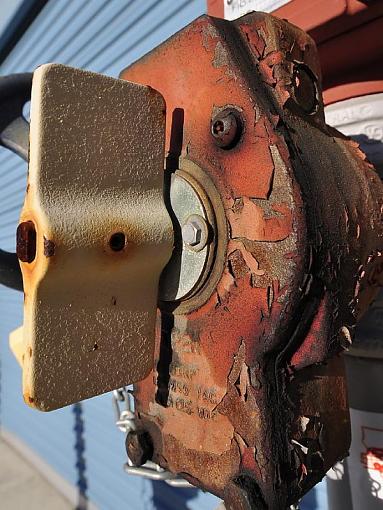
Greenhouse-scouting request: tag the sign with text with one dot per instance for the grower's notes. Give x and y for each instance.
(236, 8)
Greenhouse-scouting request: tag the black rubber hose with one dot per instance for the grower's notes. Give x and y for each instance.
(15, 92)
(10, 273)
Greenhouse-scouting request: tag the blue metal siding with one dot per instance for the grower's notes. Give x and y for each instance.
(82, 443)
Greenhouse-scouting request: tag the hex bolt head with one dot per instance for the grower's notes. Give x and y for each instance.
(226, 128)
(195, 232)
(139, 447)
(305, 89)
(191, 233)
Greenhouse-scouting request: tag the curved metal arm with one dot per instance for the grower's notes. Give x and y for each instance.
(10, 274)
(15, 92)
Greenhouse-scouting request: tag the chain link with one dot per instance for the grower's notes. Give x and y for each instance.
(125, 419)
(123, 403)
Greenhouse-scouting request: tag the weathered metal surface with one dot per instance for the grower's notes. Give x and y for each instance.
(336, 26)
(247, 398)
(94, 235)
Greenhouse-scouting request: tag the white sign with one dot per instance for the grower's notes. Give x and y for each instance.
(233, 9)
(360, 118)
(366, 460)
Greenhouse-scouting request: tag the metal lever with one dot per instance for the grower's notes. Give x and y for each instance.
(94, 235)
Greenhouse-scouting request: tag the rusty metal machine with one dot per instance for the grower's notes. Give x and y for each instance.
(224, 283)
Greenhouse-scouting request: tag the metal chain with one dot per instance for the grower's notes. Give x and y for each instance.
(126, 422)
(123, 403)
(125, 419)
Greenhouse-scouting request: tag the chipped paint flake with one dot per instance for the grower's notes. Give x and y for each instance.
(252, 224)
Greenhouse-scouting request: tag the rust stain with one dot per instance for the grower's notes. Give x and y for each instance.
(253, 224)
(249, 368)
(49, 247)
(193, 392)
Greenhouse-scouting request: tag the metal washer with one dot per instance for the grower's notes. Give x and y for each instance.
(187, 267)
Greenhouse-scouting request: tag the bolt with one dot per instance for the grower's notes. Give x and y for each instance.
(226, 128)
(195, 232)
(345, 338)
(305, 89)
(191, 233)
(26, 241)
(139, 447)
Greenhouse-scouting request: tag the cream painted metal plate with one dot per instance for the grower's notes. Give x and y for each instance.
(95, 205)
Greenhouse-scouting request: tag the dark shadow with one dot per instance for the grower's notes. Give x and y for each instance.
(165, 359)
(176, 140)
(309, 501)
(373, 149)
(165, 496)
(170, 274)
(79, 447)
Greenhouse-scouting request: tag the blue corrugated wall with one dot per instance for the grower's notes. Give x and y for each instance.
(81, 442)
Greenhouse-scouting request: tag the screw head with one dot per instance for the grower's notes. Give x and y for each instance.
(195, 232)
(305, 89)
(191, 233)
(226, 128)
(139, 447)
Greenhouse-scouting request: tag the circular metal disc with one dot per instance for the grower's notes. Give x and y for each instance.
(186, 267)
